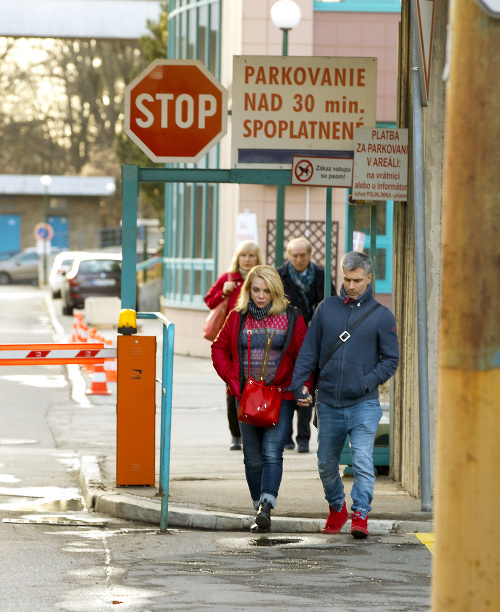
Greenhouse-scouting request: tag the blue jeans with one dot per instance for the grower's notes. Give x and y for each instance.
(263, 455)
(360, 422)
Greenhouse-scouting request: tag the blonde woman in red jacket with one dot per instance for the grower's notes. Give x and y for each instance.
(263, 309)
(228, 287)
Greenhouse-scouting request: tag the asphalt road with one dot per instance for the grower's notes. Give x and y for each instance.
(56, 556)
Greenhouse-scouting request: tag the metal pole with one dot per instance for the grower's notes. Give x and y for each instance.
(373, 243)
(419, 196)
(280, 194)
(328, 243)
(280, 225)
(166, 421)
(466, 565)
(284, 44)
(130, 182)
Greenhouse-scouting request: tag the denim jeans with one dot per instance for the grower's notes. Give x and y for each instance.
(263, 455)
(360, 421)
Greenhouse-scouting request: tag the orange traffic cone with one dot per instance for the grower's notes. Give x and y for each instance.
(74, 335)
(98, 385)
(110, 369)
(83, 333)
(110, 365)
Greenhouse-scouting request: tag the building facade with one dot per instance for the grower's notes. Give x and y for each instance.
(200, 220)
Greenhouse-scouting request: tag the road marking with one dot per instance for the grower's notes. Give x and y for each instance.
(427, 539)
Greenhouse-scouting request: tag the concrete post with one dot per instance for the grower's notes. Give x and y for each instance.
(467, 563)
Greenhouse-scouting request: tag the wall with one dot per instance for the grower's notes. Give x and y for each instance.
(364, 35)
(405, 427)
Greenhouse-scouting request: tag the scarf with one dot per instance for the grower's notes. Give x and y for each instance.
(303, 280)
(258, 313)
(243, 273)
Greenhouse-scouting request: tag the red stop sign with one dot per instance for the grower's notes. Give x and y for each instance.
(175, 110)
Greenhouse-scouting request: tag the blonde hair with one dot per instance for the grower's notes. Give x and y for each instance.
(243, 249)
(274, 284)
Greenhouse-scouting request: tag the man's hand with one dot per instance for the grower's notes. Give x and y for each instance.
(307, 400)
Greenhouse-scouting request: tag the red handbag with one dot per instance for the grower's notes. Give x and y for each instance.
(260, 403)
(215, 320)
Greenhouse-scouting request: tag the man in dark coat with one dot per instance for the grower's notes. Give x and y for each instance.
(304, 284)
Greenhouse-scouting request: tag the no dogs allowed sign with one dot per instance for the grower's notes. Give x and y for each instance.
(322, 171)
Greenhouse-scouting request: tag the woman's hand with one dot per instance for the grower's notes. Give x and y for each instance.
(307, 400)
(228, 287)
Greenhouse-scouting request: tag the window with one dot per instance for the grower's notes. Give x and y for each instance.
(191, 210)
(383, 255)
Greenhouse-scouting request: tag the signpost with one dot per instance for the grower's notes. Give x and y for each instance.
(291, 106)
(175, 111)
(380, 164)
(43, 235)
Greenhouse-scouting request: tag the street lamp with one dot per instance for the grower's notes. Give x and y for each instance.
(46, 181)
(285, 14)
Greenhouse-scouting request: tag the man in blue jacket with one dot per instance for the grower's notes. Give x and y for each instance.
(347, 398)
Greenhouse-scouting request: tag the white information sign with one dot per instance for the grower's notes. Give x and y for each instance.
(246, 227)
(322, 171)
(289, 106)
(380, 164)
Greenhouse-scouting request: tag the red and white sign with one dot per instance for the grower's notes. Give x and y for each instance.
(322, 171)
(246, 227)
(175, 111)
(43, 231)
(290, 106)
(380, 164)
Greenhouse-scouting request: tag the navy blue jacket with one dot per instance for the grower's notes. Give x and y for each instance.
(365, 361)
(316, 294)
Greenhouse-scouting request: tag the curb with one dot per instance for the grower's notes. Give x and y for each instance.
(135, 508)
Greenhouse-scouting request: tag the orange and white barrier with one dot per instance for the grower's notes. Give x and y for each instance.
(49, 354)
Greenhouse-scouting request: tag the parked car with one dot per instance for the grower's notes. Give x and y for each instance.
(62, 264)
(24, 267)
(91, 275)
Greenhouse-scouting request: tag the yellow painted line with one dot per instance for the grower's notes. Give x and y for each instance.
(427, 539)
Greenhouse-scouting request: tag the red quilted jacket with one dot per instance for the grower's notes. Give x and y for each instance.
(228, 360)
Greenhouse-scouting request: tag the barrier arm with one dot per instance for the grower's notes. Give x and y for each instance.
(52, 354)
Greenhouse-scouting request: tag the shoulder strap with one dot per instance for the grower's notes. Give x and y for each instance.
(344, 336)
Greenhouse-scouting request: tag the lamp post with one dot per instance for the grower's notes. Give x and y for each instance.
(46, 181)
(285, 14)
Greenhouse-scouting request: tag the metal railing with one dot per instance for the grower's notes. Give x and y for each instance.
(166, 409)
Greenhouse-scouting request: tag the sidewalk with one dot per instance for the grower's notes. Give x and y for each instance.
(207, 487)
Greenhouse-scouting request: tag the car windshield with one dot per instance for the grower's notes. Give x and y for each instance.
(97, 266)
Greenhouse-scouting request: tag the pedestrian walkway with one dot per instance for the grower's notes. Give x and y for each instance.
(207, 487)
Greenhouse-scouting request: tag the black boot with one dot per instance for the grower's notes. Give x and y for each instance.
(263, 518)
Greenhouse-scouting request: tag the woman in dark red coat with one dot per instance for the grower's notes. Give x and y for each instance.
(263, 309)
(228, 287)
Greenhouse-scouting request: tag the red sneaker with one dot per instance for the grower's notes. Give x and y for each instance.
(335, 520)
(359, 526)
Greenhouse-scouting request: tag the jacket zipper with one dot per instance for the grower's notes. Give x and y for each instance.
(342, 355)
